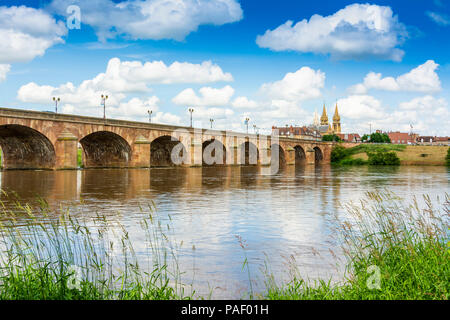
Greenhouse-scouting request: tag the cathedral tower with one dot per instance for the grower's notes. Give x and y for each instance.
(324, 117)
(336, 121)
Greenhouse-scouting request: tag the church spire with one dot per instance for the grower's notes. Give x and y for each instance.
(336, 121)
(324, 117)
(336, 116)
(316, 121)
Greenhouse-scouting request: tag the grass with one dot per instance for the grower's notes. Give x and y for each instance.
(394, 250)
(58, 257)
(409, 155)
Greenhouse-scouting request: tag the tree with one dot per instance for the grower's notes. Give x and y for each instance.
(376, 137)
(331, 137)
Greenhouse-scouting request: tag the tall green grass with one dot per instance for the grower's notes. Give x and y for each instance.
(48, 256)
(405, 244)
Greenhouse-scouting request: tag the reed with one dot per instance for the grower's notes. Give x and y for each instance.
(59, 254)
(394, 250)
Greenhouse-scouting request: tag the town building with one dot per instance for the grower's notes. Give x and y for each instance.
(402, 137)
(298, 132)
(436, 141)
(349, 137)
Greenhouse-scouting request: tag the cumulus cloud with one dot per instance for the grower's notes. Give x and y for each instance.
(4, 69)
(357, 31)
(152, 19)
(301, 85)
(360, 107)
(133, 76)
(244, 103)
(439, 18)
(121, 78)
(26, 33)
(425, 103)
(208, 97)
(428, 115)
(421, 79)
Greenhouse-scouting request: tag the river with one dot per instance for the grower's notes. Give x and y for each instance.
(284, 220)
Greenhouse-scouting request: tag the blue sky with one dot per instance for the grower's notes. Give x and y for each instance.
(386, 63)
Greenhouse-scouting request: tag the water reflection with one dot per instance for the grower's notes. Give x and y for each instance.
(280, 216)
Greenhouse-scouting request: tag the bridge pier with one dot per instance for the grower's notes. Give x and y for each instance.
(141, 153)
(66, 150)
(310, 156)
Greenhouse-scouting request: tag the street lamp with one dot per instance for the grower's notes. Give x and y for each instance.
(104, 97)
(150, 115)
(211, 120)
(191, 110)
(56, 103)
(254, 128)
(246, 122)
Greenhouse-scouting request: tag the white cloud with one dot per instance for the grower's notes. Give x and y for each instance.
(121, 78)
(208, 97)
(298, 86)
(152, 19)
(440, 19)
(426, 103)
(428, 115)
(133, 76)
(4, 69)
(357, 31)
(360, 107)
(244, 103)
(421, 79)
(26, 33)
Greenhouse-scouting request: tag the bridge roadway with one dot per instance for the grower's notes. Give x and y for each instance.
(45, 140)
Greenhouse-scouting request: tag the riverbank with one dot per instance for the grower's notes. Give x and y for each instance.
(408, 154)
(395, 250)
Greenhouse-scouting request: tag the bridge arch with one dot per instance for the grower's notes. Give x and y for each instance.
(278, 157)
(25, 148)
(318, 155)
(164, 148)
(213, 153)
(300, 155)
(249, 153)
(105, 149)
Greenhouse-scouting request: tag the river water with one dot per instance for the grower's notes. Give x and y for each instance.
(283, 220)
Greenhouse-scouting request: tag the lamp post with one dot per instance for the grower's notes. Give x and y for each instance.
(150, 115)
(191, 110)
(104, 98)
(211, 120)
(57, 100)
(254, 128)
(246, 122)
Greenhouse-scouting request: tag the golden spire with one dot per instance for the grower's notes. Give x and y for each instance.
(336, 117)
(324, 117)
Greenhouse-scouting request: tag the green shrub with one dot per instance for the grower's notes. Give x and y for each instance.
(383, 158)
(352, 162)
(331, 137)
(338, 153)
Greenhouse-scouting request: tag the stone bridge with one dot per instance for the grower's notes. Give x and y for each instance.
(45, 140)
